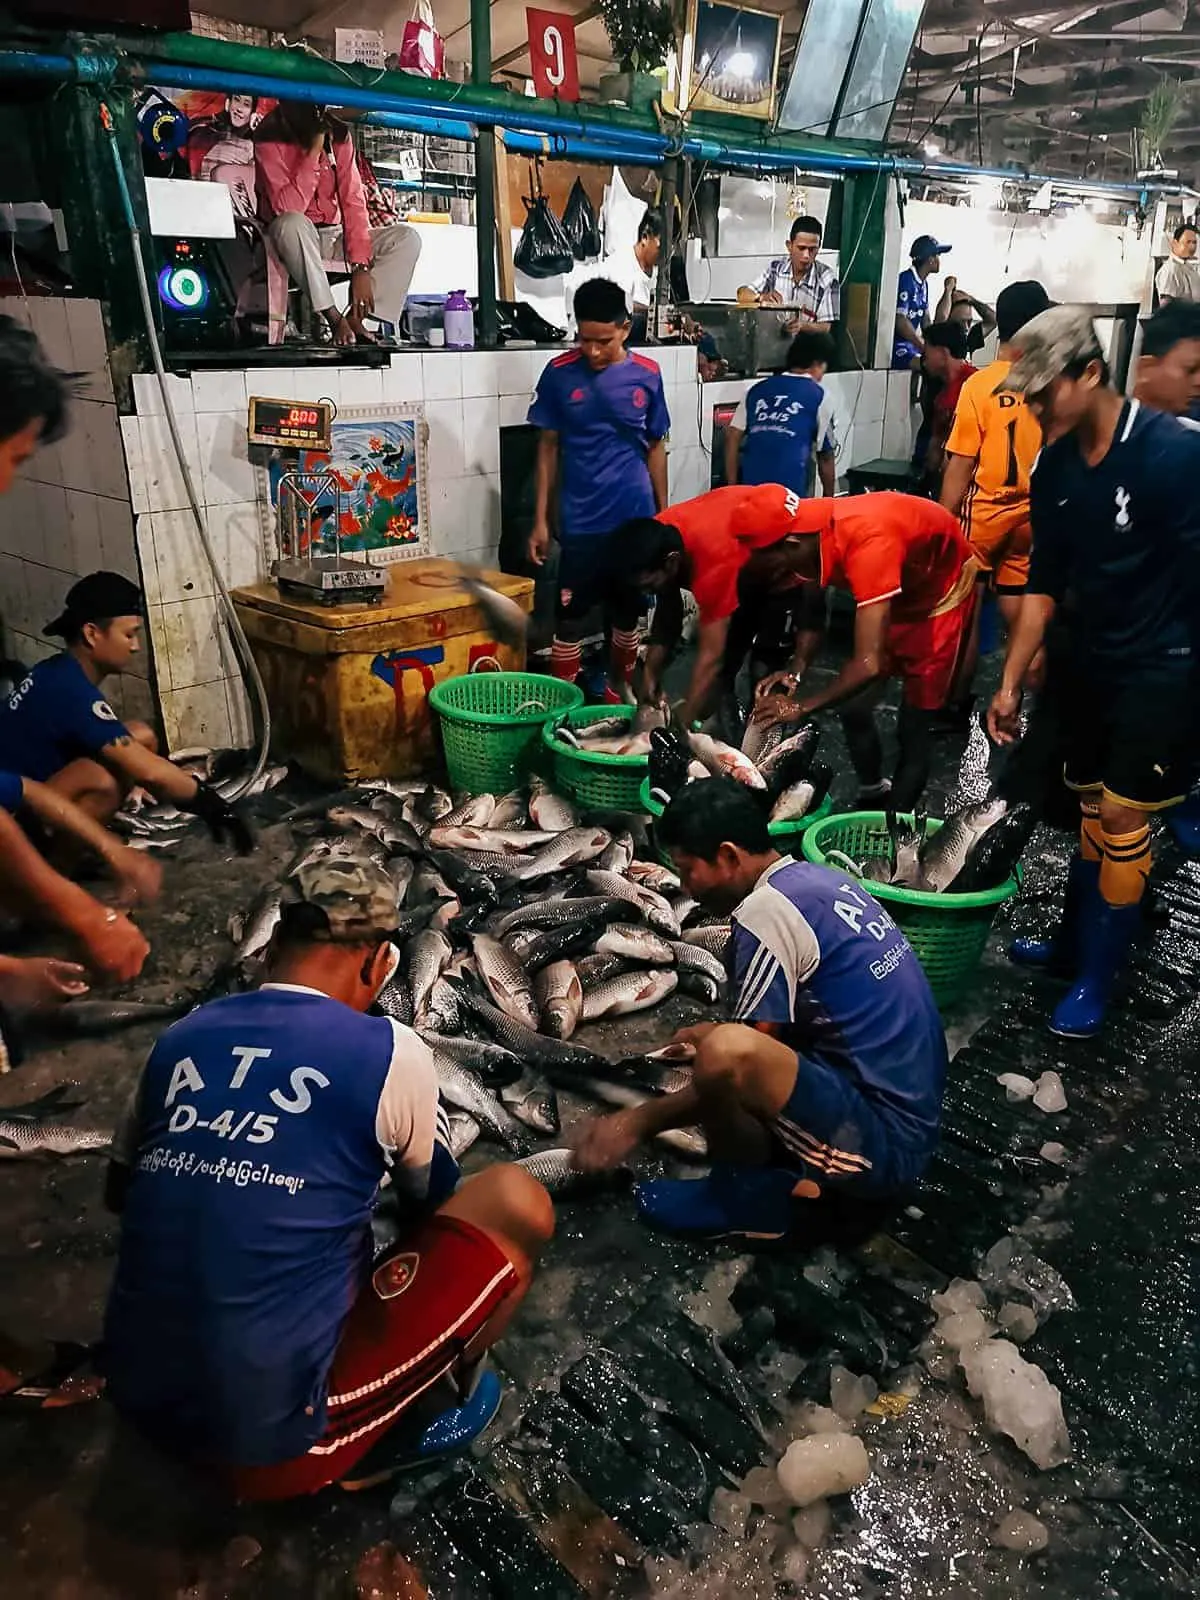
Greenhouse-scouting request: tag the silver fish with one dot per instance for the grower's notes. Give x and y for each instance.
(395, 1000)
(795, 802)
(511, 810)
(85, 1017)
(259, 927)
(804, 739)
(506, 979)
(557, 1173)
(549, 810)
(618, 854)
(428, 954)
(627, 744)
(554, 1055)
(694, 959)
(634, 943)
(463, 1090)
(443, 1011)
(760, 739)
(487, 841)
(711, 936)
(535, 950)
(448, 912)
(545, 914)
(684, 1141)
(464, 1131)
(532, 1101)
(488, 1060)
(649, 903)
(654, 875)
(570, 848)
(602, 728)
(366, 818)
(151, 843)
(722, 760)
(503, 615)
(428, 885)
(19, 1136)
(399, 788)
(593, 970)
(559, 996)
(473, 810)
(400, 870)
(906, 850)
(946, 852)
(632, 991)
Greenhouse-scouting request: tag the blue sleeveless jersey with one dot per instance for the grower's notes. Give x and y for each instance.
(256, 1157)
(820, 958)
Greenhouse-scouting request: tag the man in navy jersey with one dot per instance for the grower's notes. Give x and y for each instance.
(1116, 528)
(603, 419)
(781, 423)
(830, 1080)
(248, 1329)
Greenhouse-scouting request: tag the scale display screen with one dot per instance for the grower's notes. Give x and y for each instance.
(291, 424)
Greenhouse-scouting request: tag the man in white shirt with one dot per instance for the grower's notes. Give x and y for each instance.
(636, 271)
(801, 282)
(1179, 278)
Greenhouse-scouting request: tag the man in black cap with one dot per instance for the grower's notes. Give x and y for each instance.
(912, 301)
(58, 729)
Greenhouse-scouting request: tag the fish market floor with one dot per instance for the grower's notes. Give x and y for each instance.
(636, 1389)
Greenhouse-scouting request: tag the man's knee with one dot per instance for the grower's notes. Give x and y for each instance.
(398, 242)
(726, 1059)
(289, 229)
(510, 1204)
(144, 734)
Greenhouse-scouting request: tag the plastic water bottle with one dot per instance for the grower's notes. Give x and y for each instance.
(459, 321)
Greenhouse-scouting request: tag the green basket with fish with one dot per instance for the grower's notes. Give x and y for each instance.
(492, 722)
(785, 834)
(947, 931)
(595, 779)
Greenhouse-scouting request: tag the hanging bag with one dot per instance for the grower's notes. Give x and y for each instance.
(580, 225)
(543, 250)
(421, 47)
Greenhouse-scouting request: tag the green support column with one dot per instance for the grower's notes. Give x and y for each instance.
(865, 297)
(488, 333)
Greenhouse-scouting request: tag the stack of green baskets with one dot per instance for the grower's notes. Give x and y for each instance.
(785, 834)
(492, 724)
(594, 779)
(948, 932)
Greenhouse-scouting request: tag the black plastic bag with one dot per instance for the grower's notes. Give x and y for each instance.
(579, 223)
(543, 251)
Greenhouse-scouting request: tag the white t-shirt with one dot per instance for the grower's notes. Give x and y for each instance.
(1178, 280)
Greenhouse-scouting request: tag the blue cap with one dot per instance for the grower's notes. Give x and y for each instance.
(927, 246)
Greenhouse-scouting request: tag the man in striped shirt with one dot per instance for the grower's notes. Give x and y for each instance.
(830, 1080)
(798, 281)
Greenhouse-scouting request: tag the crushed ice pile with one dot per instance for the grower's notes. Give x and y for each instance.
(1018, 1398)
(1047, 1093)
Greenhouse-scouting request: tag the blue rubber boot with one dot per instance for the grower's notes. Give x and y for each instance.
(732, 1202)
(1105, 937)
(1059, 955)
(1184, 823)
(448, 1434)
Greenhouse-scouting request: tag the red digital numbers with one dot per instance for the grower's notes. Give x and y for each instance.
(299, 417)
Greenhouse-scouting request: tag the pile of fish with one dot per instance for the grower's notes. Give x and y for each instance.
(517, 921)
(158, 825)
(32, 1129)
(779, 766)
(976, 849)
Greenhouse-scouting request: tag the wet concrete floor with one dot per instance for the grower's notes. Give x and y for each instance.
(623, 1415)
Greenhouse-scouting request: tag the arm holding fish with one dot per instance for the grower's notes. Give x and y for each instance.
(866, 666)
(138, 877)
(168, 782)
(665, 631)
(1024, 642)
(706, 669)
(810, 635)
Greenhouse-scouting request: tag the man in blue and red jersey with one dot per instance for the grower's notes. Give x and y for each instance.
(248, 1330)
(603, 419)
(830, 1081)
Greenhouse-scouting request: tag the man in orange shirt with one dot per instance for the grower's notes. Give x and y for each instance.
(992, 446)
(912, 574)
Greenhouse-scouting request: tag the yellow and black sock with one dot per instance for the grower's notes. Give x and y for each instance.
(1091, 840)
(1126, 866)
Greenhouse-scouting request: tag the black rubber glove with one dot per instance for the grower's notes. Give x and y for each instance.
(220, 818)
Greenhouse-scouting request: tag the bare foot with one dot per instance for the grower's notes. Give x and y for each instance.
(360, 333)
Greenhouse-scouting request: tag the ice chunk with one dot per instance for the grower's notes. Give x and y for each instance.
(709, 1305)
(964, 1328)
(761, 1487)
(1011, 1270)
(1019, 1530)
(812, 1418)
(1017, 1321)
(1017, 1087)
(960, 1294)
(850, 1395)
(729, 1512)
(811, 1526)
(1019, 1400)
(939, 1361)
(824, 1464)
(792, 1566)
(1054, 1152)
(1049, 1095)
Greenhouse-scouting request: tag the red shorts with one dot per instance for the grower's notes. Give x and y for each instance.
(927, 653)
(425, 1303)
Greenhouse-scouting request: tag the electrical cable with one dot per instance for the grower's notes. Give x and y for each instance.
(242, 645)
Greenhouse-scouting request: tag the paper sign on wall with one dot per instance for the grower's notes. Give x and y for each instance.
(552, 54)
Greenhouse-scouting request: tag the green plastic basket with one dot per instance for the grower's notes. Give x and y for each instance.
(948, 932)
(492, 722)
(594, 779)
(785, 834)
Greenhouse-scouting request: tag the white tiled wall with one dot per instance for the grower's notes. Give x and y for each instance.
(467, 399)
(69, 511)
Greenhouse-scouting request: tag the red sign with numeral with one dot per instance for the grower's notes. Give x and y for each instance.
(552, 54)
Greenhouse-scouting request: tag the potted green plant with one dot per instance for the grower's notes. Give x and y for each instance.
(641, 33)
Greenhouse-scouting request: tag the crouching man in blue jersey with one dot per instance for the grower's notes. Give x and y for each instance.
(830, 1080)
(248, 1330)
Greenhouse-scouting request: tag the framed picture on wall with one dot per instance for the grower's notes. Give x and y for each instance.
(730, 60)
